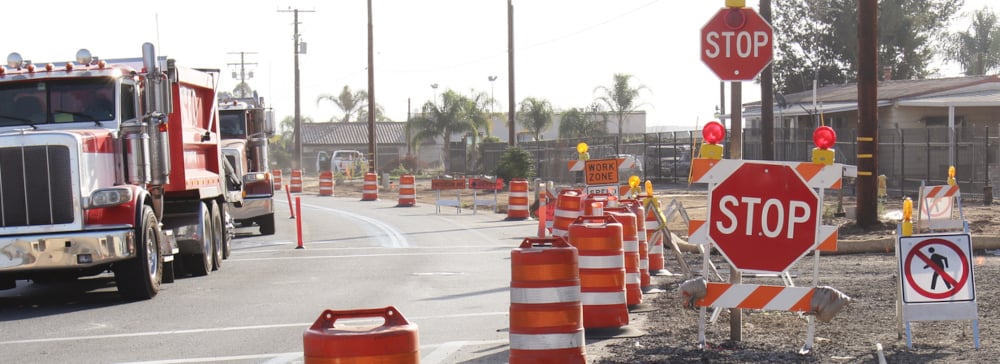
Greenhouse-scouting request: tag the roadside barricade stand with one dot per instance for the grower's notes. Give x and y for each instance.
(477, 184)
(456, 185)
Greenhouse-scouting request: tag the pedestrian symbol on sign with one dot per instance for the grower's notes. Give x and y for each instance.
(939, 262)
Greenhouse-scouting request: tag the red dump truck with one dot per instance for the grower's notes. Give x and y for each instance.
(111, 166)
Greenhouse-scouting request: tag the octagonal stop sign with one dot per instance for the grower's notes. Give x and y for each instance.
(737, 44)
(763, 217)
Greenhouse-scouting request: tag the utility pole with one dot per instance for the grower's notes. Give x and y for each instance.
(297, 47)
(372, 154)
(867, 193)
(767, 98)
(510, 74)
(243, 75)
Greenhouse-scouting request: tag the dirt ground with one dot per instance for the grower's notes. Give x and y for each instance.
(870, 279)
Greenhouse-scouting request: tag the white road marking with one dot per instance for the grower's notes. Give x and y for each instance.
(395, 238)
(231, 259)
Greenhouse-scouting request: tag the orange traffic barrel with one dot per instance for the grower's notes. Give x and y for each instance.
(296, 184)
(546, 313)
(326, 183)
(604, 198)
(407, 191)
(370, 190)
(598, 240)
(517, 200)
(276, 177)
(645, 280)
(395, 341)
(569, 206)
(655, 242)
(630, 246)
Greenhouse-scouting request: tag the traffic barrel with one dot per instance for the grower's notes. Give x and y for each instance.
(407, 191)
(276, 178)
(546, 312)
(598, 240)
(607, 200)
(645, 279)
(395, 341)
(370, 190)
(296, 185)
(326, 183)
(630, 247)
(569, 206)
(517, 199)
(656, 263)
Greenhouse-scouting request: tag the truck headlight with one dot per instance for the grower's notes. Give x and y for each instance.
(109, 197)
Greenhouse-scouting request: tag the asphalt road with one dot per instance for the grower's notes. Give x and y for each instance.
(446, 273)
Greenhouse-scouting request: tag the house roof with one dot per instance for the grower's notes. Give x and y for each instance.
(939, 92)
(388, 132)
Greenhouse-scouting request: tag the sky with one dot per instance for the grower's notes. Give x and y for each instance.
(563, 49)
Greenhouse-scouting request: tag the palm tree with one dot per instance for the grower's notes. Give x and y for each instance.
(349, 102)
(443, 121)
(621, 99)
(978, 49)
(477, 109)
(577, 123)
(535, 116)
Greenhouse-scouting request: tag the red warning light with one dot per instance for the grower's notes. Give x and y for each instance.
(713, 132)
(824, 137)
(735, 19)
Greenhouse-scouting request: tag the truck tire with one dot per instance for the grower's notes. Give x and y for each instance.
(200, 263)
(139, 278)
(266, 223)
(217, 238)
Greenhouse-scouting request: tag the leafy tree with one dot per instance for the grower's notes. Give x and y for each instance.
(621, 99)
(578, 123)
(350, 103)
(535, 116)
(442, 120)
(515, 163)
(817, 39)
(283, 142)
(978, 49)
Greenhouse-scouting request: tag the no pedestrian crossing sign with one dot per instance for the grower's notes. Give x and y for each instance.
(936, 268)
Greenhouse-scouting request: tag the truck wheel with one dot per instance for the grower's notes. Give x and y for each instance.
(139, 278)
(217, 238)
(200, 263)
(266, 223)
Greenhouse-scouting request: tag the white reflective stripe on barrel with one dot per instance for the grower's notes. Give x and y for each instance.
(560, 232)
(656, 249)
(518, 194)
(518, 207)
(633, 278)
(547, 341)
(407, 196)
(545, 295)
(631, 246)
(601, 261)
(570, 214)
(604, 298)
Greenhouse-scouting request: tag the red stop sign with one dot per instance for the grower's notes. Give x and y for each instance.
(763, 217)
(737, 44)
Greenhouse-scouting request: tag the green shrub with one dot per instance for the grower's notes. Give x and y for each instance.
(515, 163)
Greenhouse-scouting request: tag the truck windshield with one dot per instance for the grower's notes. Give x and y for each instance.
(56, 101)
(233, 122)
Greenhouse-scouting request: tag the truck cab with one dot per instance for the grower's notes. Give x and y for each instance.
(245, 126)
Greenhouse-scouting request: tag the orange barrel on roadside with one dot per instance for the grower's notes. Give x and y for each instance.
(326, 183)
(296, 185)
(656, 263)
(395, 341)
(370, 190)
(569, 206)
(645, 279)
(546, 313)
(407, 191)
(630, 249)
(589, 200)
(517, 199)
(276, 177)
(598, 241)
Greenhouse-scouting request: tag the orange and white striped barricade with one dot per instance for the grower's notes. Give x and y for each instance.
(654, 241)
(569, 206)
(396, 340)
(438, 185)
(276, 178)
(598, 240)
(326, 183)
(940, 209)
(546, 313)
(369, 190)
(630, 249)
(517, 200)
(407, 191)
(779, 206)
(296, 184)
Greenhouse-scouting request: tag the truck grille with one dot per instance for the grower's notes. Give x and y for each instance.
(35, 186)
